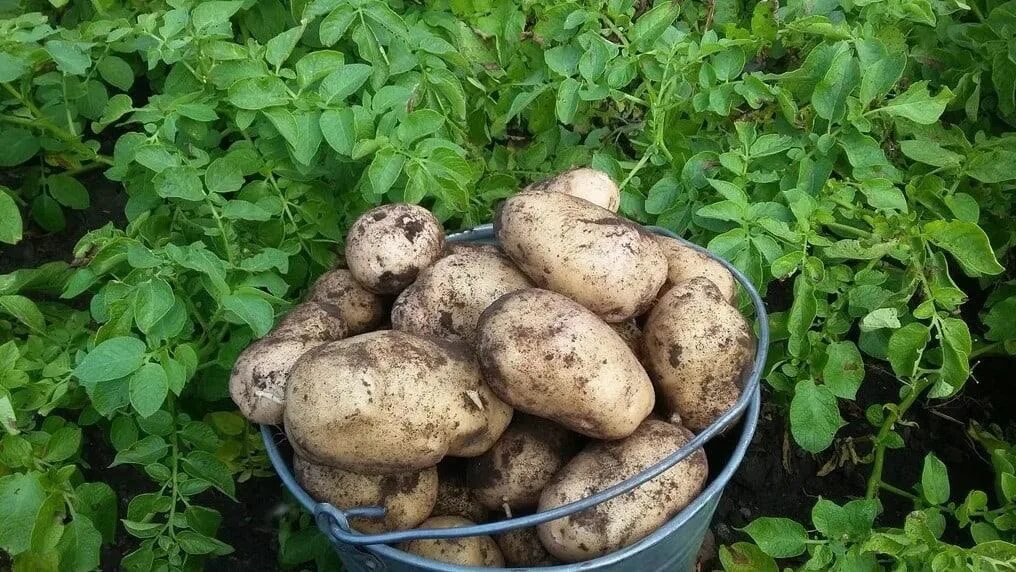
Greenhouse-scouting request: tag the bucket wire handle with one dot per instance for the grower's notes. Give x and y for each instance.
(336, 521)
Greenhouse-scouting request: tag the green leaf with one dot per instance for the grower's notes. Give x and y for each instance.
(63, 444)
(258, 93)
(116, 72)
(930, 153)
(21, 497)
(906, 345)
(11, 225)
(419, 124)
(153, 299)
(880, 70)
(278, 49)
(934, 480)
(882, 194)
(112, 359)
(223, 175)
(844, 369)
(830, 96)
(148, 389)
(97, 501)
(993, 165)
(917, 104)
(335, 24)
(880, 318)
(567, 100)
(179, 183)
(79, 546)
(778, 537)
(967, 243)
(339, 129)
(24, 310)
(814, 416)
(70, 58)
(593, 60)
(314, 66)
(651, 25)
(195, 543)
(243, 210)
(384, 170)
(19, 146)
(1000, 322)
(956, 348)
(344, 81)
(252, 309)
(206, 466)
(12, 67)
(47, 213)
(802, 314)
(563, 60)
(213, 13)
(746, 557)
(143, 452)
(68, 191)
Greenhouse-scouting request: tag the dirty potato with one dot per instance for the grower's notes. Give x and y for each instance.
(514, 471)
(522, 547)
(386, 402)
(389, 245)
(447, 298)
(408, 497)
(698, 350)
(631, 334)
(626, 519)
(685, 263)
(312, 322)
(546, 355)
(565, 244)
(257, 383)
(454, 496)
(590, 184)
(361, 309)
(468, 551)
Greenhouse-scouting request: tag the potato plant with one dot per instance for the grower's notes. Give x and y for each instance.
(854, 157)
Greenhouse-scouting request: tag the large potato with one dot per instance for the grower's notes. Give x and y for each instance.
(447, 298)
(522, 547)
(361, 309)
(312, 322)
(387, 402)
(514, 471)
(626, 519)
(257, 383)
(698, 348)
(454, 497)
(631, 334)
(409, 497)
(389, 245)
(685, 263)
(546, 355)
(590, 184)
(468, 551)
(565, 244)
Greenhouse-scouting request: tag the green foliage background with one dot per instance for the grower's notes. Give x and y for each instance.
(860, 153)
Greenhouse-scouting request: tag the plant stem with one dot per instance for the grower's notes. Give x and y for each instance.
(896, 491)
(847, 229)
(39, 121)
(987, 349)
(875, 479)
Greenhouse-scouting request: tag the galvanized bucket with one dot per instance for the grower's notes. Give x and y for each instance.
(672, 547)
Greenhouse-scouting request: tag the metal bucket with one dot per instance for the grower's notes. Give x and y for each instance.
(672, 547)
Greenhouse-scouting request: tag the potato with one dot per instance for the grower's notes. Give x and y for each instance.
(387, 402)
(685, 263)
(361, 309)
(608, 264)
(463, 247)
(409, 497)
(631, 334)
(468, 551)
(388, 246)
(546, 355)
(312, 322)
(514, 471)
(454, 497)
(626, 519)
(447, 298)
(257, 383)
(590, 184)
(522, 547)
(698, 349)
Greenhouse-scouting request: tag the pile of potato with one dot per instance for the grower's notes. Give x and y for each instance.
(510, 379)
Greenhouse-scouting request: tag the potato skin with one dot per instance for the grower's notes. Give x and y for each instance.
(447, 298)
(626, 519)
(698, 349)
(684, 263)
(521, 463)
(409, 497)
(312, 322)
(548, 356)
(468, 551)
(631, 334)
(388, 246)
(522, 547)
(590, 184)
(258, 381)
(454, 497)
(361, 309)
(566, 244)
(399, 402)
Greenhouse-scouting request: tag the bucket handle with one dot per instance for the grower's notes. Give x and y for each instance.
(336, 521)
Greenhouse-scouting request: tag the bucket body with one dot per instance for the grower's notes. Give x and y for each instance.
(672, 547)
